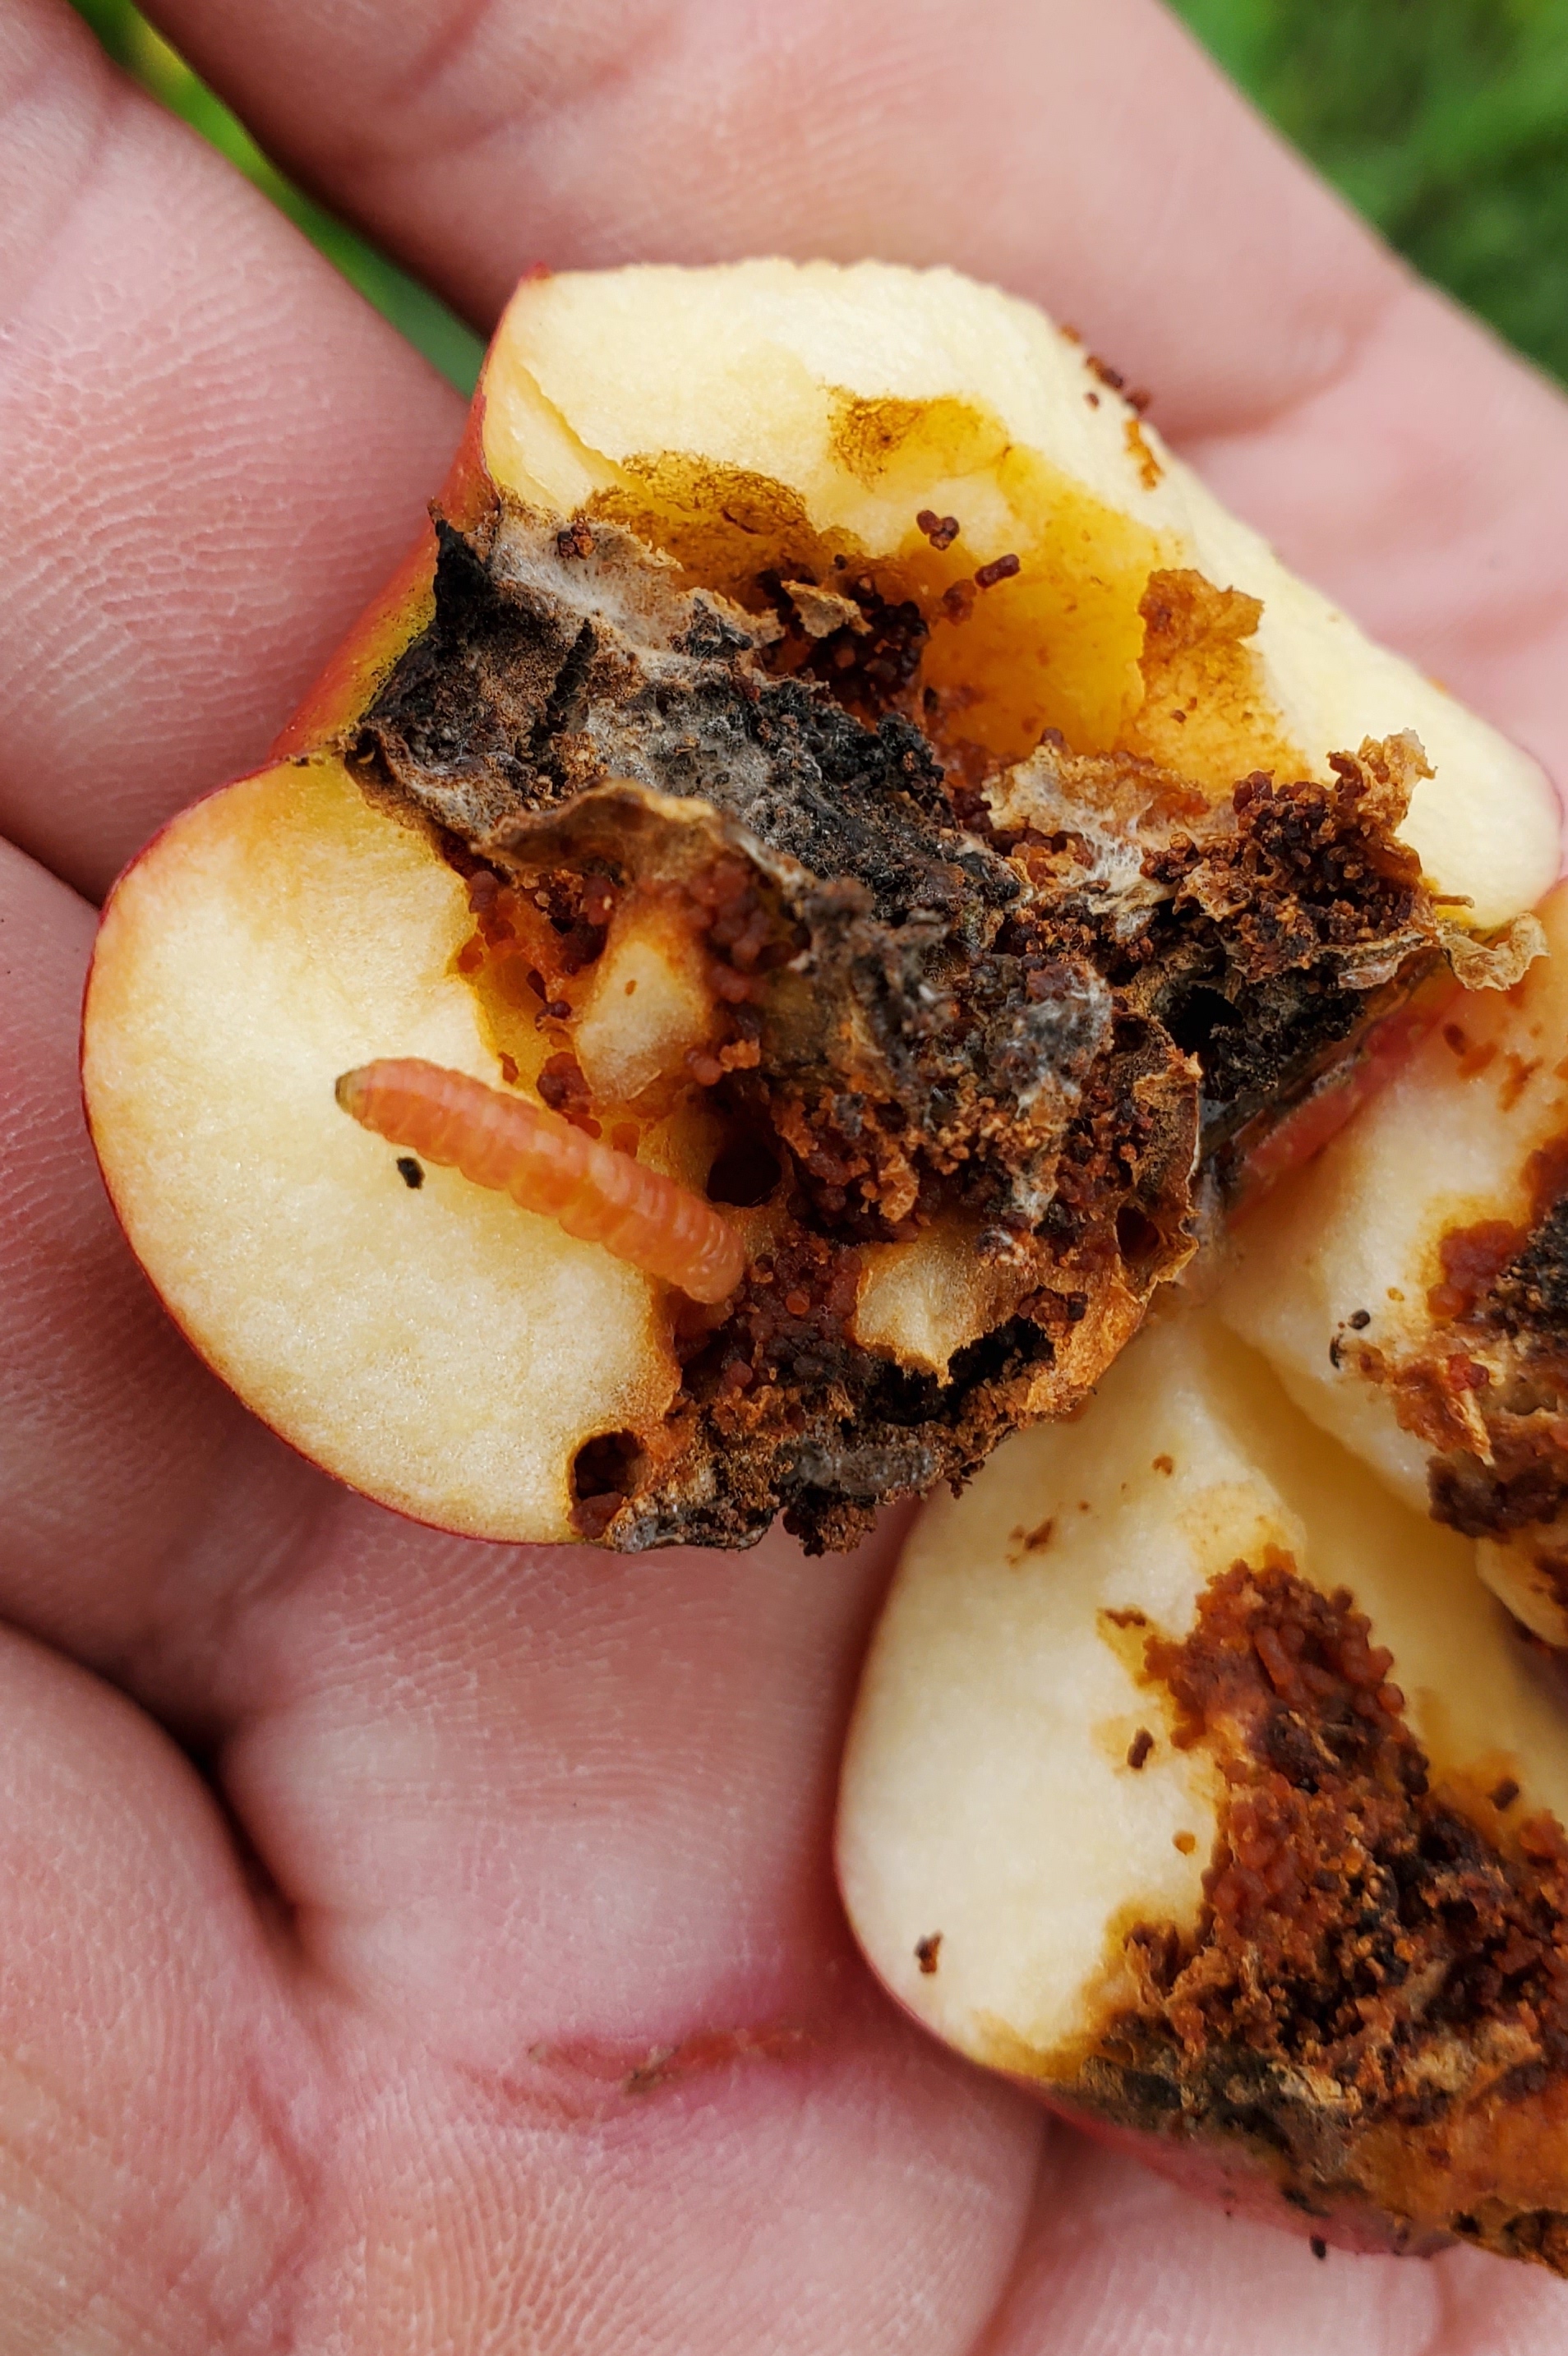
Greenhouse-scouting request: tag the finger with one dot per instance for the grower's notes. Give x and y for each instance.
(152, 2191)
(137, 1498)
(200, 2149)
(1117, 2259)
(1089, 156)
(213, 452)
(563, 1818)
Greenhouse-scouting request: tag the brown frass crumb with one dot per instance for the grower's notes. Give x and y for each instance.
(1361, 1936)
(922, 1018)
(1001, 568)
(1499, 1356)
(940, 530)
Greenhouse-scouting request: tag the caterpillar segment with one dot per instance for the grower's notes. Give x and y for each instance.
(597, 1194)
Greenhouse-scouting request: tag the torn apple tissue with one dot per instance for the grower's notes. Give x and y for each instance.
(519, 1149)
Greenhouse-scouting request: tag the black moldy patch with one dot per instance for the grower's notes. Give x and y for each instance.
(1367, 1957)
(1008, 1004)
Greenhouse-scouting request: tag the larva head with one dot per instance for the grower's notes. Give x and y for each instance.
(820, 753)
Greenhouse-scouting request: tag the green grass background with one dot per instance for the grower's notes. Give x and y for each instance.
(1445, 121)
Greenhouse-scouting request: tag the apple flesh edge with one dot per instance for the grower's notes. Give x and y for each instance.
(989, 1794)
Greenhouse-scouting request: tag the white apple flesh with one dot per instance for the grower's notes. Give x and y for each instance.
(1034, 1849)
(435, 1344)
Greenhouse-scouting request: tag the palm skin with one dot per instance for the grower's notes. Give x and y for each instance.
(418, 1945)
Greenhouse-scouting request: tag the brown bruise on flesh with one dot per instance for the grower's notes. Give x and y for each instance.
(956, 944)
(1374, 2001)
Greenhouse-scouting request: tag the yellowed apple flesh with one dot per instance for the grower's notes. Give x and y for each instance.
(834, 402)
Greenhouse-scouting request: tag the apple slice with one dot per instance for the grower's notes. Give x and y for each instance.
(1411, 1287)
(1197, 1783)
(831, 752)
(279, 934)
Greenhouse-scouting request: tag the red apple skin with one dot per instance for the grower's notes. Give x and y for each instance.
(394, 618)
(384, 632)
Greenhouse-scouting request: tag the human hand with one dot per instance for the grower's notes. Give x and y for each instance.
(415, 1945)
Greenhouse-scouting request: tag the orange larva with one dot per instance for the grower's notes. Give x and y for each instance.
(544, 1163)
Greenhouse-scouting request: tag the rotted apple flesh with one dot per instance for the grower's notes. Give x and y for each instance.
(1197, 1783)
(832, 753)
(1411, 1286)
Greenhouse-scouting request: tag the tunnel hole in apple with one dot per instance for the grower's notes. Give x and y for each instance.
(1201, 1013)
(1138, 1239)
(746, 1169)
(605, 1473)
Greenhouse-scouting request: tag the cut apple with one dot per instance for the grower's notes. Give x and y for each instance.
(1411, 1287)
(1197, 1783)
(829, 752)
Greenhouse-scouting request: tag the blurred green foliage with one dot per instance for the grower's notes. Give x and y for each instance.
(1446, 120)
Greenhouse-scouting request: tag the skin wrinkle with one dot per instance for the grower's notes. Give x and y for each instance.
(220, 328)
(713, 181)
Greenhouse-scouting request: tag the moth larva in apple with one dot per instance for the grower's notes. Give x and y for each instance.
(597, 1193)
(826, 729)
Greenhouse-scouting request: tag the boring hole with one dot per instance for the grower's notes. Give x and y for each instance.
(604, 1475)
(1194, 1023)
(745, 1170)
(1137, 1237)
